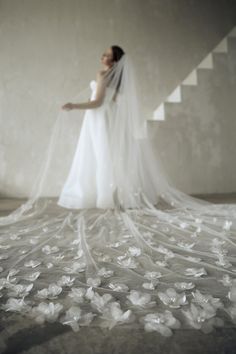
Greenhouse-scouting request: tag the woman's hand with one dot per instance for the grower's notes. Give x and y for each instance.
(68, 106)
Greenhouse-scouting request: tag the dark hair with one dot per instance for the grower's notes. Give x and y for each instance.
(117, 52)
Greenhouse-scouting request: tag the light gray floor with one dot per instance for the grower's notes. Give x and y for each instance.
(21, 335)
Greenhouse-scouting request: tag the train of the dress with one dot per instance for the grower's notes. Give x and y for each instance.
(156, 268)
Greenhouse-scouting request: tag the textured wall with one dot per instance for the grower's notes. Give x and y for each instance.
(51, 49)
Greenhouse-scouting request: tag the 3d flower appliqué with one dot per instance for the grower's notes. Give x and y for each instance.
(184, 286)
(114, 315)
(16, 305)
(75, 318)
(140, 299)
(106, 273)
(160, 322)
(118, 286)
(77, 294)
(65, 280)
(51, 292)
(46, 312)
(195, 272)
(172, 299)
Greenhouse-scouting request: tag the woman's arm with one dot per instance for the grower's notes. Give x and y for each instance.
(97, 102)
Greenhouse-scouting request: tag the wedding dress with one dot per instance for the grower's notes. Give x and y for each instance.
(105, 238)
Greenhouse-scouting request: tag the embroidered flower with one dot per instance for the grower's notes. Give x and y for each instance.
(115, 244)
(222, 261)
(49, 265)
(184, 286)
(12, 272)
(185, 245)
(47, 249)
(75, 319)
(76, 267)
(226, 280)
(172, 299)
(195, 272)
(46, 312)
(118, 287)
(77, 294)
(161, 263)
(20, 290)
(51, 292)
(208, 302)
(134, 251)
(140, 299)
(32, 276)
(196, 316)
(17, 305)
(127, 263)
(165, 251)
(99, 302)
(105, 258)
(198, 221)
(227, 225)
(152, 275)
(15, 237)
(160, 322)
(58, 257)
(34, 240)
(183, 225)
(114, 315)
(65, 281)
(94, 282)
(106, 273)
(6, 283)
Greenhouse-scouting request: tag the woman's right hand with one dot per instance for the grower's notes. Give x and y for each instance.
(68, 106)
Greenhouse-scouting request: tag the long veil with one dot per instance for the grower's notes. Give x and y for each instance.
(155, 257)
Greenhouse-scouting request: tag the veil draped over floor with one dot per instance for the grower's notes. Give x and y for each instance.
(155, 257)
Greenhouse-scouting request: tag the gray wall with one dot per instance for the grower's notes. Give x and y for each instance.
(51, 49)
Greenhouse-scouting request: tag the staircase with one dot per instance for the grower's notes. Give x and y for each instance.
(195, 136)
(209, 63)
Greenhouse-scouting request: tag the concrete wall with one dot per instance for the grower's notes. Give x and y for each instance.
(51, 49)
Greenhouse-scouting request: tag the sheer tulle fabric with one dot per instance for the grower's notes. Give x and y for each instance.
(105, 238)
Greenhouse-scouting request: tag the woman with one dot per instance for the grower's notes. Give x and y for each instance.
(161, 267)
(114, 161)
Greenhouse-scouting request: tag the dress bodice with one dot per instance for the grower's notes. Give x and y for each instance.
(93, 86)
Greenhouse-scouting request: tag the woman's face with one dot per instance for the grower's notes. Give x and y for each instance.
(107, 57)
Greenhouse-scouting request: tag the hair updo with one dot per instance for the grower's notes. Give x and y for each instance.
(117, 52)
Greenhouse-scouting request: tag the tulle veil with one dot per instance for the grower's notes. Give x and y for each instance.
(173, 235)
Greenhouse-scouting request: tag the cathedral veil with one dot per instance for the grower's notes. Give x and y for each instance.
(132, 155)
(153, 242)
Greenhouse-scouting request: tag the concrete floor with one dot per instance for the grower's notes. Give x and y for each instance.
(21, 335)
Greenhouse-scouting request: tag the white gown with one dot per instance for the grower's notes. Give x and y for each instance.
(90, 180)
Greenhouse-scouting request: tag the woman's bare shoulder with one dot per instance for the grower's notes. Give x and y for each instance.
(101, 73)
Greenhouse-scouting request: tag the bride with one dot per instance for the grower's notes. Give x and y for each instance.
(108, 159)
(132, 248)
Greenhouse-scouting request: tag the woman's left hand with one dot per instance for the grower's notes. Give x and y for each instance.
(68, 106)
